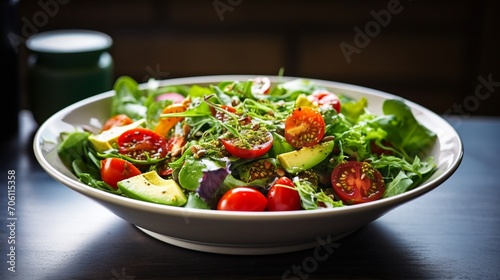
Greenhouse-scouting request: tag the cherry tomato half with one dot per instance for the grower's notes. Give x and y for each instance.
(242, 199)
(175, 144)
(305, 127)
(116, 120)
(142, 144)
(261, 85)
(114, 170)
(282, 196)
(221, 116)
(357, 182)
(260, 143)
(326, 98)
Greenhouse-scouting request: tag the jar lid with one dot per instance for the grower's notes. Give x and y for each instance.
(69, 41)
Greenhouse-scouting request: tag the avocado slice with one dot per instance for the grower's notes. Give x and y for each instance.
(103, 141)
(305, 158)
(151, 187)
(303, 101)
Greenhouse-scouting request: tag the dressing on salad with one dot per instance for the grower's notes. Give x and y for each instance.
(250, 146)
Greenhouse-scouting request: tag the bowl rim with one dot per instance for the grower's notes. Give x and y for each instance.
(102, 196)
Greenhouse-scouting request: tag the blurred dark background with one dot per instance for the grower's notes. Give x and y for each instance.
(441, 54)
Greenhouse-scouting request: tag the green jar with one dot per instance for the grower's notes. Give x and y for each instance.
(66, 66)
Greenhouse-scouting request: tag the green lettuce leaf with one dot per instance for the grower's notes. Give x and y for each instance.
(404, 131)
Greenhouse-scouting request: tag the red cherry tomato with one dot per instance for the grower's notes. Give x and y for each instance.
(175, 143)
(378, 150)
(260, 142)
(221, 115)
(261, 85)
(114, 170)
(117, 120)
(357, 182)
(282, 196)
(326, 98)
(305, 127)
(242, 199)
(142, 144)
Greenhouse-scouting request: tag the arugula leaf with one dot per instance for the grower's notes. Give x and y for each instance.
(128, 99)
(405, 132)
(75, 153)
(191, 173)
(198, 91)
(235, 88)
(398, 185)
(195, 201)
(90, 175)
(400, 175)
(180, 89)
(290, 90)
(205, 176)
(154, 111)
(73, 147)
(280, 145)
(312, 198)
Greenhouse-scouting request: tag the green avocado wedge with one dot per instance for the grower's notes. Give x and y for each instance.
(305, 158)
(151, 187)
(103, 141)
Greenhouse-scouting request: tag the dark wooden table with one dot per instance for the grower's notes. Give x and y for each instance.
(452, 232)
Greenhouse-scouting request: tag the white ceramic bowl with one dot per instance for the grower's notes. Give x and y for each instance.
(244, 233)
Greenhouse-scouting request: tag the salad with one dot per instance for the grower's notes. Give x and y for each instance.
(250, 145)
